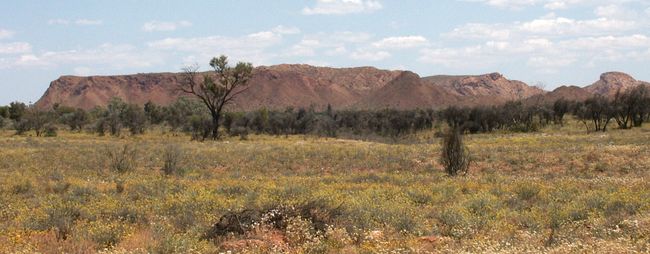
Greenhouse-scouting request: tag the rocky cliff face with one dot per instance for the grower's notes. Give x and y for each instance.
(608, 84)
(280, 86)
(88, 92)
(488, 89)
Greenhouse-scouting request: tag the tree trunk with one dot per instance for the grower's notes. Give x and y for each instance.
(215, 125)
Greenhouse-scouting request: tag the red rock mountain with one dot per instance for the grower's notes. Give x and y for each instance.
(611, 82)
(280, 86)
(486, 89)
(608, 84)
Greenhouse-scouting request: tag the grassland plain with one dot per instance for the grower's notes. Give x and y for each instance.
(559, 190)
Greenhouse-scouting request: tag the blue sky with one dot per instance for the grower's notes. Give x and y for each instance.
(545, 42)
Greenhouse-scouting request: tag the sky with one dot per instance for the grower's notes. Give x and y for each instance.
(542, 42)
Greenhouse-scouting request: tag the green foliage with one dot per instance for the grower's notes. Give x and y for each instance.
(218, 89)
(17, 110)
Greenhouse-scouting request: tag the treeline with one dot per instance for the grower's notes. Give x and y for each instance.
(190, 116)
(627, 109)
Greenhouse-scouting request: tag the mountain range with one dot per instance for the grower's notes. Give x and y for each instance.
(281, 86)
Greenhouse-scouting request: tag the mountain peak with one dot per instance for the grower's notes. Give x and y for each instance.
(614, 76)
(301, 85)
(611, 82)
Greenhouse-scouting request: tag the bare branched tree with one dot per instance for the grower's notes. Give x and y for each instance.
(218, 90)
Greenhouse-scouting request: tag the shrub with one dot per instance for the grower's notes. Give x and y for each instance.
(61, 218)
(22, 126)
(106, 235)
(242, 132)
(172, 157)
(122, 159)
(453, 223)
(455, 156)
(50, 130)
(22, 187)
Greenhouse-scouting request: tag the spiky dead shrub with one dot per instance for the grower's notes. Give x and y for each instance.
(122, 159)
(172, 157)
(455, 156)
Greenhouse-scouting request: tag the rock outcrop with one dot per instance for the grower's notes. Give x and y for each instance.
(281, 86)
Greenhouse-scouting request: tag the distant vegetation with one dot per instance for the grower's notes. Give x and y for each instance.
(627, 109)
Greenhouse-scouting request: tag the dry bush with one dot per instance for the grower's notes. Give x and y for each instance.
(122, 159)
(455, 156)
(172, 158)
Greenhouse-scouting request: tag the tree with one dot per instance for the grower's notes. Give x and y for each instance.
(622, 106)
(596, 109)
(219, 89)
(178, 115)
(76, 119)
(640, 97)
(560, 108)
(17, 110)
(34, 119)
(455, 156)
(4, 111)
(134, 118)
(112, 117)
(154, 113)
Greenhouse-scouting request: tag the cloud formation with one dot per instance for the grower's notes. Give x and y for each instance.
(164, 26)
(341, 7)
(6, 34)
(80, 22)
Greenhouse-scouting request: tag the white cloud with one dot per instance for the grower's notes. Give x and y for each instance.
(567, 26)
(337, 51)
(82, 71)
(636, 41)
(548, 25)
(331, 44)
(340, 7)
(550, 63)
(58, 22)
(402, 42)
(105, 56)
(508, 4)
(88, 22)
(158, 26)
(480, 31)
(368, 55)
(547, 4)
(15, 48)
(543, 54)
(251, 48)
(6, 34)
(30, 60)
(80, 22)
(306, 47)
(285, 30)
